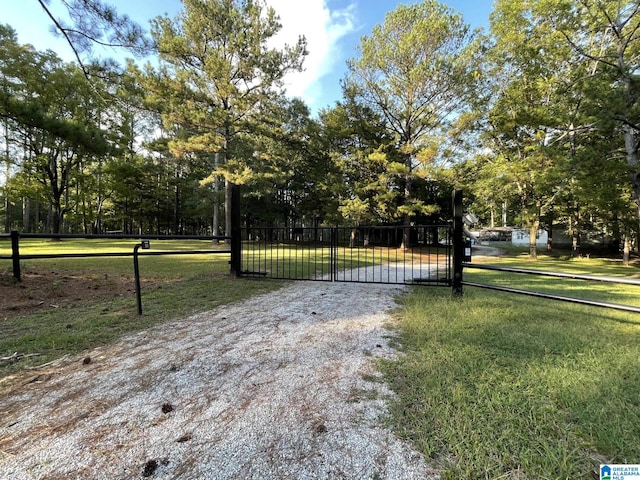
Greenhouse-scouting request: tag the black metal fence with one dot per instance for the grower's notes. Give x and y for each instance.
(546, 273)
(16, 256)
(417, 255)
(420, 255)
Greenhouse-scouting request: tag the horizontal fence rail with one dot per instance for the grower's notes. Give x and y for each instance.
(111, 236)
(547, 273)
(365, 254)
(551, 296)
(16, 256)
(36, 256)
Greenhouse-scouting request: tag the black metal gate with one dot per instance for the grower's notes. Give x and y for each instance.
(416, 254)
(419, 255)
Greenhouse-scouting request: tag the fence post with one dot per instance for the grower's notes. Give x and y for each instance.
(145, 244)
(15, 254)
(458, 243)
(136, 274)
(236, 232)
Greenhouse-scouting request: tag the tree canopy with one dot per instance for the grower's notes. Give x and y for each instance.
(415, 72)
(537, 119)
(216, 81)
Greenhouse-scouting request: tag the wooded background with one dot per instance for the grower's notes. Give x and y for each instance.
(537, 120)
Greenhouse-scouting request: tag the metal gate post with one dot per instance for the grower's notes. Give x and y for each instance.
(136, 272)
(15, 254)
(236, 232)
(458, 243)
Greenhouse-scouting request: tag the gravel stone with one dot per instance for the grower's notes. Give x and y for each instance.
(269, 388)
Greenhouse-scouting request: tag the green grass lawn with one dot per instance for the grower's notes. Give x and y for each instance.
(173, 286)
(497, 385)
(600, 291)
(492, 385)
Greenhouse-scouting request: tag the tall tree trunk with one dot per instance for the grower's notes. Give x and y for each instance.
(533, 236)
(125, 217)
(504, 213)
(49, 220)
(37, 219)
(97, 221)
(7, 213)
(56, 216)
(352, 237)
(408, 194)
(227, 183)
(64, 221)
(7, 203)
(575, 231)
(626, 254)
(177, 224)
(435, 236)
(227, 208)
(630, 143)
(550, 220)
(638, 232)
(83, 195)
(630, 133)
(26, 215)
(493, 211)
(215, 230)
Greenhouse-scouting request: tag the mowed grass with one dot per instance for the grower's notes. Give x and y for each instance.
(173, 286)
(492, 385)
(600, 291)
(32, 246)
(498, 385)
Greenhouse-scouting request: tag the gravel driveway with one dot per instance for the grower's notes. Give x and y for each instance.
(280, 386)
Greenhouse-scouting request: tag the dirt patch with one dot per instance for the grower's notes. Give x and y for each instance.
(282, 385)
(40, 290)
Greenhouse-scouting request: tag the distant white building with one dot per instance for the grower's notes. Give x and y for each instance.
(513, 235)
(520, 237)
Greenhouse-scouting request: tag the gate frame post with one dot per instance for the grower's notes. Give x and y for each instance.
(458, 243)
(236, 232)
(333, 256)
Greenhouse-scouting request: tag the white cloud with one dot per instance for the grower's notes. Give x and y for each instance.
(323, 28)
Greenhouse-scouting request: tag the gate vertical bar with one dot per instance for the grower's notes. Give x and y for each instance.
(236, 232)
(458, 243)
(334, 254)
(15, 255)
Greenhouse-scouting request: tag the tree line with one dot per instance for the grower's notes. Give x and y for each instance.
(536, 119)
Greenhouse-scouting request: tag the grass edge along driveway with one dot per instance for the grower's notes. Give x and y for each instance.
(498, 385)
(172, 287)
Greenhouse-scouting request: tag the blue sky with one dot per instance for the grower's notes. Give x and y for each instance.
(333, 29)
